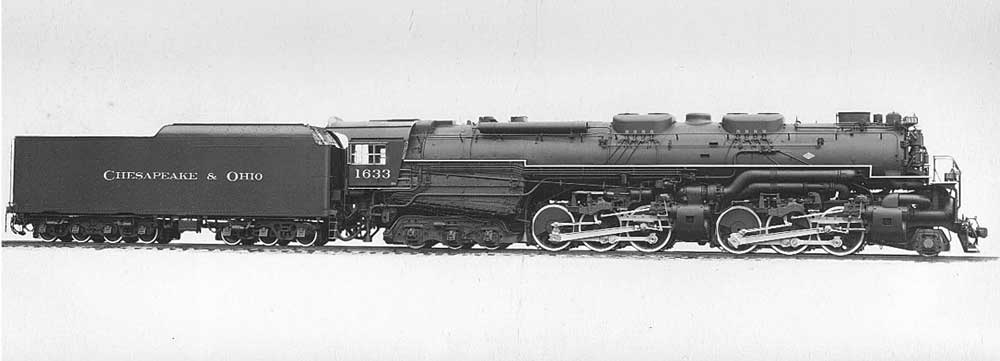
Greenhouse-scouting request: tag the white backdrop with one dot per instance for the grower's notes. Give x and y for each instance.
(126, 67)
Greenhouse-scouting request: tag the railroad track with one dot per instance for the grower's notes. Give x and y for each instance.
(480, 252)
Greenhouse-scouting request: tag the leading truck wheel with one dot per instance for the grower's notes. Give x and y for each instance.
(541, 226)
(731, 221)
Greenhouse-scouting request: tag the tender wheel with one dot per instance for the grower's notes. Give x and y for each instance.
(851, 243)
(800, 223)
(541, 226)
(731, 221)
(152, 232)
(456, 244)
(114, 236)
(164, 238)
(129, 234)
(269, 237)
(311, 236)
(45, 232)
(233, 239)
(47, 237)
(79, 236)
(606, 222)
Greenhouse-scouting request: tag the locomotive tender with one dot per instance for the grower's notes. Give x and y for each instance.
(646, 181)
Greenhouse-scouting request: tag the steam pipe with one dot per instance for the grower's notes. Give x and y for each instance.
(773, 180)
(779, 175)
(799, 188)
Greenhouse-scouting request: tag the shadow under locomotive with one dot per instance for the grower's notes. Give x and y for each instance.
(706, 255)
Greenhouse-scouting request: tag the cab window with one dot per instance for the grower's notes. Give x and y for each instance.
(368, 154)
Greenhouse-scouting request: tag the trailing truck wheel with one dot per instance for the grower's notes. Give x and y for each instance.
(541, 226)
(731, 221)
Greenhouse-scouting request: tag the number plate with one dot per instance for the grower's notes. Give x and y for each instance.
(372, 173)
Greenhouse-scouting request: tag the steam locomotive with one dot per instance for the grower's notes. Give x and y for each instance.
(644, 181)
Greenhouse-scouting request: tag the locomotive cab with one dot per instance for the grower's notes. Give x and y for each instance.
(375, 151)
